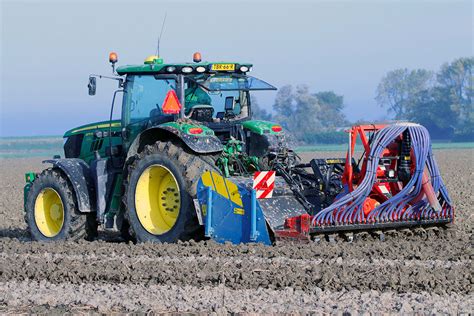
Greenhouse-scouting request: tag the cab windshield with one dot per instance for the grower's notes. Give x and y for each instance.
(220, 96)
(229, 82)
(207, 97)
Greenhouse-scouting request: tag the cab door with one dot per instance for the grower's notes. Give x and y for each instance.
(142, 104)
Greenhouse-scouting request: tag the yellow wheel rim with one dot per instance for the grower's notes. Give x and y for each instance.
(157, 199)
(49, 212)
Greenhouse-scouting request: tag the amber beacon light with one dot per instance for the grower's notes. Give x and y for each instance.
(113, 58)
(197, 57)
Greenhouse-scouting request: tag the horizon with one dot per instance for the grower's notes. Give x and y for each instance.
(49, 49)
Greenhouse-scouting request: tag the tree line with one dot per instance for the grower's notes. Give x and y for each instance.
(441, 101)
(311, 118)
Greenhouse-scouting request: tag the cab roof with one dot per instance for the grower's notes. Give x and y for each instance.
(158, 67)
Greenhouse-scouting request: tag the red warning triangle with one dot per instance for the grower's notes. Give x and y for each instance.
(171, 104)
(263, 185)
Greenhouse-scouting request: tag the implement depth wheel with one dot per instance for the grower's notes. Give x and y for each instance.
(51, 210)
(160, 188)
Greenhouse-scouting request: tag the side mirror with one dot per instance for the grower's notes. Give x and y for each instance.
(229, 104)
(92, 85)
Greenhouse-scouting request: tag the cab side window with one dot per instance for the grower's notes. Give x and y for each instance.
(145, 97)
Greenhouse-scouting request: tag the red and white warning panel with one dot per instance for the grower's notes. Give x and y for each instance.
(264, 183)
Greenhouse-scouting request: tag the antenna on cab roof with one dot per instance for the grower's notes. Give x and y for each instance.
(161, 33)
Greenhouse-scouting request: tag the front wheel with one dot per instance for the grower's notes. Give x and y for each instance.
(160, 188)
(51, 210)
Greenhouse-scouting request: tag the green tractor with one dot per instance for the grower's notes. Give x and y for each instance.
(139, 175)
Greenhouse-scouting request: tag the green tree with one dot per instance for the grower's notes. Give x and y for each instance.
(307, 116)
(331, 109)
(284, 106)
(258, 112)
(399, 87)
(456, 80)
(431, 109)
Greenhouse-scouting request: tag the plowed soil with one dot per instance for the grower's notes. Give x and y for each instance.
(422, 271)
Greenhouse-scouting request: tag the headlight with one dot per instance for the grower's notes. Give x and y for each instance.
(170, 68)
(187, 70)
(244, 68)
(200, 69)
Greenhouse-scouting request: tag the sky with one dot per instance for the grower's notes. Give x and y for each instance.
(49, 48)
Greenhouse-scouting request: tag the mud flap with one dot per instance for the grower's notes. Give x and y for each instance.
(231, 212)
(279, 208)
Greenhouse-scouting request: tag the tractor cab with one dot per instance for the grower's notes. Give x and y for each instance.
(215, 95)
(205, 105)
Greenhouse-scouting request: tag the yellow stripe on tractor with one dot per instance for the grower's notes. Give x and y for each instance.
(95, 127)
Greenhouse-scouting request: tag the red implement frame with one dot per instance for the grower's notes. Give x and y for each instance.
(361, 131)
(300, 227)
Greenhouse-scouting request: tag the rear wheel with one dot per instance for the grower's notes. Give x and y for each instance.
(51, 210)
(160, 188)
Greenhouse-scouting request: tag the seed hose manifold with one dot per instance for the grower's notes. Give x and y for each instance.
(409, 203)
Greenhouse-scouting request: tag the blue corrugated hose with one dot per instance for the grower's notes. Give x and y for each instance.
(349, 207)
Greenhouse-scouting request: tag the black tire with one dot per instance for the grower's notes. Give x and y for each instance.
(91, 226)
(125, 232)
(186, 168)
(75, 226)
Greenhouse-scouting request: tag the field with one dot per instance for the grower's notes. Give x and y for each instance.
(425, 272)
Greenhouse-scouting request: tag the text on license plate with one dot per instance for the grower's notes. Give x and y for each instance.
(223, 67)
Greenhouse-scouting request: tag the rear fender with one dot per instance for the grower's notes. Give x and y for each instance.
(198, 144)
(80, 177)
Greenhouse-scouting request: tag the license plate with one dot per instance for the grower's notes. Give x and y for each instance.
(221, 80)
(223, 67)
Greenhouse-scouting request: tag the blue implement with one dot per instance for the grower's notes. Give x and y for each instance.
(231, 212)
